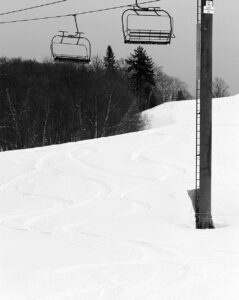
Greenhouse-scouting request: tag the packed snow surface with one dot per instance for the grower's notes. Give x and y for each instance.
(111, 219)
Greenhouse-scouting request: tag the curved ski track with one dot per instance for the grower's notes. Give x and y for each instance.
(72, 168)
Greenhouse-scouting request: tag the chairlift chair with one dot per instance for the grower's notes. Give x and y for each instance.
(157, 35)
(73, 48)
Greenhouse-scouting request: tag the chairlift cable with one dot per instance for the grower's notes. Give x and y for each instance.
(32, 7)
(72, 14)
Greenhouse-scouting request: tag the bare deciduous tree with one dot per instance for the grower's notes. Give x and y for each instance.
(220, 88)
(167, 87)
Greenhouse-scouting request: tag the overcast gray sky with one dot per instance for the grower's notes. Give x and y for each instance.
(32, 39)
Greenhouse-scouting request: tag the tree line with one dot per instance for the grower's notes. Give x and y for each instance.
(47, 103)
(44, 103)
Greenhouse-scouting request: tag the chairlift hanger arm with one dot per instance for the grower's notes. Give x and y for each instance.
(77, 28)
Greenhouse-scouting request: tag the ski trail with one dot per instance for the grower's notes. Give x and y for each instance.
(136, 267)
(60, 203)
(113, 288)
(48, 164)
(55, 163)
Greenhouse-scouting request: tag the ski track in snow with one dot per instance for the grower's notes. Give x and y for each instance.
(46, 163)
(142, 254)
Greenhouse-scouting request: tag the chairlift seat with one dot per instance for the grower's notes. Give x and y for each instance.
(142, 36)
(73, 59)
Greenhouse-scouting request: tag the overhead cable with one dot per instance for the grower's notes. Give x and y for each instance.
(31, 7)
(74, 14)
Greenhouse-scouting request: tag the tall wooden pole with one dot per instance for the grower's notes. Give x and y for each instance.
(203, 213)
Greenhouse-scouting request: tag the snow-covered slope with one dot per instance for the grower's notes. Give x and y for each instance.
(111, 219)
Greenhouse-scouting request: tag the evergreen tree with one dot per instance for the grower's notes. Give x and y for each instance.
(141, 74)
(109, 61)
